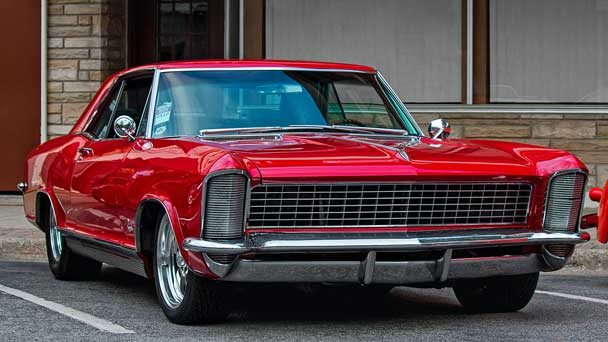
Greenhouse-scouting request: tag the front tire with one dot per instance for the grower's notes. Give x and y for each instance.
(499, 294)
(65, 264)
(184, 297)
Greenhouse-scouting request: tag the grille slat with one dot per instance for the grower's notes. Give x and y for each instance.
(564, 200)
(400, 204)
(224, 207)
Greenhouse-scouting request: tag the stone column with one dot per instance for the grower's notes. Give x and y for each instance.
(86, 40)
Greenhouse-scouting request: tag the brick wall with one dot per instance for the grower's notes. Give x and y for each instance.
(584, 135)
(85, 45)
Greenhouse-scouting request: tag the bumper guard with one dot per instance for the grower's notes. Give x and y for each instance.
(370, 270)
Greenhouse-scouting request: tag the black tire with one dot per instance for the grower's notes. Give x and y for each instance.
(64, 263)
(200, 303)
(499, 294)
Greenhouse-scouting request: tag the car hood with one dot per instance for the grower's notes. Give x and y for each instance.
(302, 157)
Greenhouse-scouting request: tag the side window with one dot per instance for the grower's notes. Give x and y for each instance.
(358, 103)
(98, 127)
(129, 97)
(133, 100)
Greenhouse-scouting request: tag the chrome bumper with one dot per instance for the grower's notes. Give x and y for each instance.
(389, 272)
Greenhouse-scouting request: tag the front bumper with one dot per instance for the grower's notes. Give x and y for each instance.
(369, 270)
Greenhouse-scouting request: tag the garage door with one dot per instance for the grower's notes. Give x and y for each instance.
(20, 87)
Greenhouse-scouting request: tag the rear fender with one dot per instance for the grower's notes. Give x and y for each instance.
(56, 207)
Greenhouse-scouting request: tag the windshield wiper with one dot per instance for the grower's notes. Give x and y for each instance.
(236, 130)
(339, 128)
(394, 131)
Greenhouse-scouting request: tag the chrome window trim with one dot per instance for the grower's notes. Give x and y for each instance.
(120, 78)
(146, 111)
(378, 77)
(547, 188)
(263, 68)
(527, 215)
(205, 186)
(152, 106)
(96, 111)
(393, 94)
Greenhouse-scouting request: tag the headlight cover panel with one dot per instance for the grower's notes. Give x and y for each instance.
(564, 201)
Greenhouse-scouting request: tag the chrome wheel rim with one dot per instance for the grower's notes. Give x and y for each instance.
(55, 237)
(170, 266)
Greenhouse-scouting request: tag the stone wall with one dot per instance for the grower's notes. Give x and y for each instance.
(85, 45)
(585, 135)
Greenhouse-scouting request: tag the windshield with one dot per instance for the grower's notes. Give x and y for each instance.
(191, 101)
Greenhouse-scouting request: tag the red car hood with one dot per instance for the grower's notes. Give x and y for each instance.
(345, 157)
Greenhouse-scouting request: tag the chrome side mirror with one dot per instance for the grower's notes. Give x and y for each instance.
(124, 126)
(439, 129)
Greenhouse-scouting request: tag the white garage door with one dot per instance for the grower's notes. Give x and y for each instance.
(416, 44)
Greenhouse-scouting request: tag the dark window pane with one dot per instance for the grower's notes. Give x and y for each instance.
(199, 46)
(166, 18)
(100, 123)
(200, 11)
(183, 30)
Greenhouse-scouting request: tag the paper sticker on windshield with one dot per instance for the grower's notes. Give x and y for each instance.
(160, 130)
(163, 113)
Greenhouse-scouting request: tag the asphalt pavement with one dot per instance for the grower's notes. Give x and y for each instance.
(286, 313)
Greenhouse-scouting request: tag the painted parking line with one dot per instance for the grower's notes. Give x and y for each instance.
(80, 316)
(570, 296)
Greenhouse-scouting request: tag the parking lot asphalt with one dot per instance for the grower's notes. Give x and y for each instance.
(286, 313)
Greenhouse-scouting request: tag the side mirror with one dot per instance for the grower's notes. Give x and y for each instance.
(124, 126)
(439, 129)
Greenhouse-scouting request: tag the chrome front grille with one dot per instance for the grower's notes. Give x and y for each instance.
(224, 206)
(396, 205)
(564, 201)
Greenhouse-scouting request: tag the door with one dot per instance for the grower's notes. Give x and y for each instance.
(167, 30)
(99, 182)
(20, 89)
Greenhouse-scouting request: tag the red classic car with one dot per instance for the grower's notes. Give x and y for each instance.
(598, 220)
(201, 173)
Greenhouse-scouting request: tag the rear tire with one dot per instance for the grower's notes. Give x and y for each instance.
(65, 264)
(499, 294)
(184, 297)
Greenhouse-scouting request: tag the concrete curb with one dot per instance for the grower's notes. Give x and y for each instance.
(23, 249)
(590, 259)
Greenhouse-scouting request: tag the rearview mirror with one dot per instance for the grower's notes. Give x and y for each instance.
(439, 129)
(124, 126)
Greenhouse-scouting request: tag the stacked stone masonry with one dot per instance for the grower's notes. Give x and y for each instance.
(85, 45)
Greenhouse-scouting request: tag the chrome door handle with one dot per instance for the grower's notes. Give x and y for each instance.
(85, 152)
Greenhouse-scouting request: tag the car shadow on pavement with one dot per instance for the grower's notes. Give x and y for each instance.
(285, 302)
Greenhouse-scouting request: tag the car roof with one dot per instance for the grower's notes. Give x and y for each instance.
(266, 63)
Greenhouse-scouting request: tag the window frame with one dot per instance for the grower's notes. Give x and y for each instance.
(396, 106)
(120, 82)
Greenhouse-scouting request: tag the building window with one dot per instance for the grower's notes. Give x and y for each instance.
(417, 45)
(548, 51)
(164, 30)
(183, 30)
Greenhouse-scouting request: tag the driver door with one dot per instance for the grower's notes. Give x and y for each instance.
(98, 191)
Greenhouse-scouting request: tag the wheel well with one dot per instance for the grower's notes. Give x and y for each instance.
(43, 205)
(146, 223)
